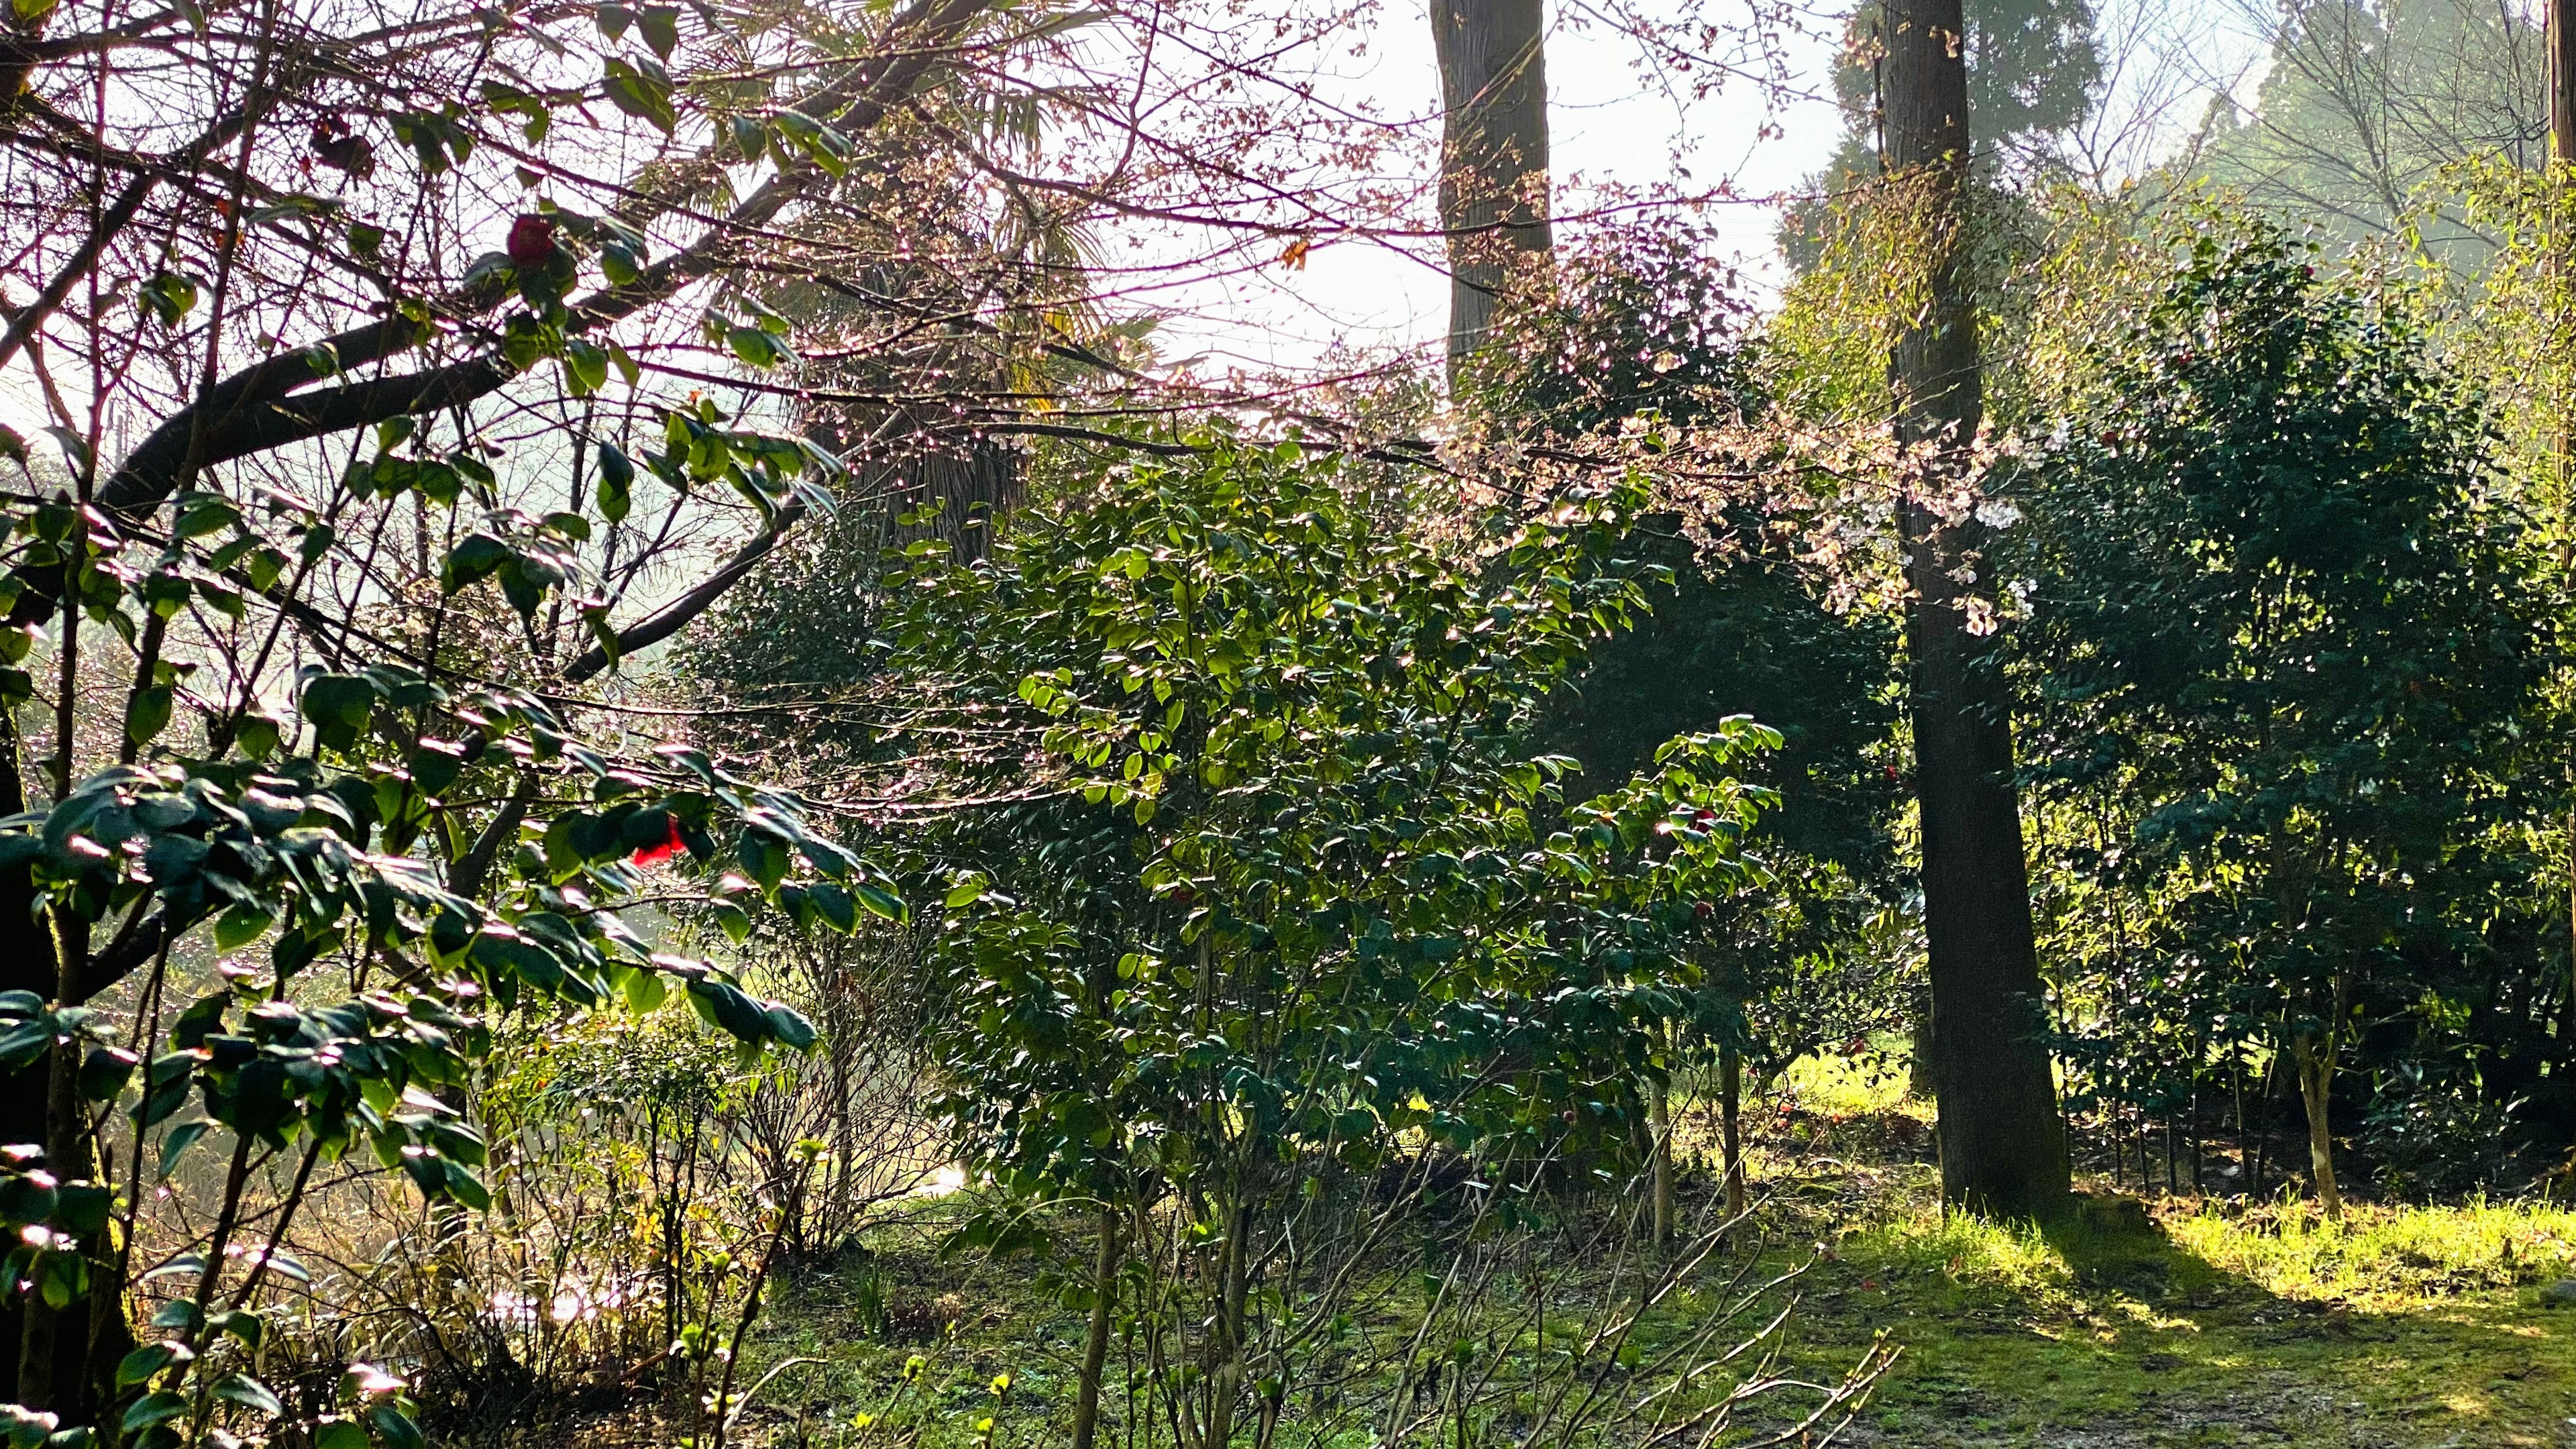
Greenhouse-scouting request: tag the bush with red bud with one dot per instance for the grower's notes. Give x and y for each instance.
(532, 241)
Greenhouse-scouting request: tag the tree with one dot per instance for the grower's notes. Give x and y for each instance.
(2034, 79)
(1645, 328)
(2003, 1143)
(1493, 157)
(2286, 642)
(1284, 888)
(2362, 106)
(348, 526)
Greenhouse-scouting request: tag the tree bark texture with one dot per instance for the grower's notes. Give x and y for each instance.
(1730, 1108)
(1095, 1345)
(2003, 1142)
(2316, 1093)
(2315, 1052)
(2559, 41)
(1659, 1113)
(1493, 164)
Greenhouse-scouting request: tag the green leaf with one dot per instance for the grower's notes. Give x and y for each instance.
(466, 1188)
(645, 990)
(616, 482)
(181, 1138)
(83, 1208)
(186, 1265)
(603, 632)
(169, 296)
(75, 447)
(206, 513)
(644, 93)
(789, 1028)
(726, 1007)
(340, 707)
(258, 735)
(396, 1428)
(153, 1409)
(756, 347)
(477, 558)
(585, 367)
(250, 1393)
(139, 1366)
(661, 26)
(835, 905)
(105, 1072)
(242, 1324)
(147, 713)
(241, 925)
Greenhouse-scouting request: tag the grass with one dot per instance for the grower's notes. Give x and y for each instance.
(2171, 1322)
(2187, 1323)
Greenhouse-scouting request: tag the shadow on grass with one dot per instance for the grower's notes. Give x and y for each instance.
(2102, 1328)
(2111, 1244)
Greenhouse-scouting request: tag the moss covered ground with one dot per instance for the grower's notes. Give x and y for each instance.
(2170, 1321)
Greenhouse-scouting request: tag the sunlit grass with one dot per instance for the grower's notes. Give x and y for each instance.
(2383, 1255)
(2377, 1258)
(1847, 1086)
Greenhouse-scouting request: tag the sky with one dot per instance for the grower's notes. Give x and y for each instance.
(1608, 124)
(1611, 125)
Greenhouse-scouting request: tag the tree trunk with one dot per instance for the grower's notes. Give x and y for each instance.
(2316, 1086)
(2559, 40)
(1493, 162)
(1095, 1347)
(1225, 1389)
(1659, 1121)
(1730, 1103)
(2003, 1144)
(2270, 1092)
(26, 964)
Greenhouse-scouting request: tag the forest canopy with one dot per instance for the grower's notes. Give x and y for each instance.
(678, 762)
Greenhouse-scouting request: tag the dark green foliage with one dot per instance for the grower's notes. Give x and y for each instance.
(1647, 323)
(2285, 662)
(1289, 886)
(790, 644)
(1754, 639)
(1283, 895)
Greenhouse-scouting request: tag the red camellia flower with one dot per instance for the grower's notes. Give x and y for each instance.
(532, 242)
(671, 845)
(1703, 909)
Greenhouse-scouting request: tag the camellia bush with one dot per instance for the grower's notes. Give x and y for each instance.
(2288, 662)
(1279, 886)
